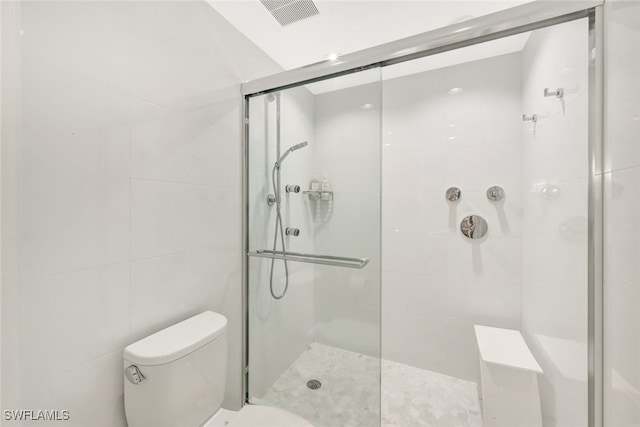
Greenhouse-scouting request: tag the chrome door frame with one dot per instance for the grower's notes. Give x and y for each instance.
(527, 17)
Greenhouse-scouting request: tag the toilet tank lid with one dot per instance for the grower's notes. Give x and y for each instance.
(177, 341)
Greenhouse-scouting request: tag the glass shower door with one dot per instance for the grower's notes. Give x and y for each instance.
(313, 268)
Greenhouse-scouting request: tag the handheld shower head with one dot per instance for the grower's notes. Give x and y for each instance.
(297, 146)
(291, 149)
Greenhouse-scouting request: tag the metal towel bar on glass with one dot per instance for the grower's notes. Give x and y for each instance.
(312, 259)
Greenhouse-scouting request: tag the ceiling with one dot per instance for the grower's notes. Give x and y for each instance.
(343, 27)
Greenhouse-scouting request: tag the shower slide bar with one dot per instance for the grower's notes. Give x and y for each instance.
(312, 259)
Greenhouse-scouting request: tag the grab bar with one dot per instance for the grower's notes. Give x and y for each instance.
(312, 259)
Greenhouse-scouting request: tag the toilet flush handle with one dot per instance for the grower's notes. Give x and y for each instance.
(134, 375)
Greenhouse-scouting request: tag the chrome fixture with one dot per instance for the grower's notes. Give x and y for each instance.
(558, 93)
(289, 151)
(292, 188)
(134, 375)
(275, 180)
(315, 194)
(336, 261)
(295, 232)
(532, 118)
(511, 21)
(453, 194)
(314, 384)
(495, 193)
(474, 227)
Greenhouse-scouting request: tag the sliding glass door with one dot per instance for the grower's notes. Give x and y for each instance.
(313, 164)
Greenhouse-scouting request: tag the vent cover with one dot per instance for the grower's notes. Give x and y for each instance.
(289, 11)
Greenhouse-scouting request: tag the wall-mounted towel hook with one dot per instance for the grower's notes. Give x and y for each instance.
(558, 93)
(532, 118)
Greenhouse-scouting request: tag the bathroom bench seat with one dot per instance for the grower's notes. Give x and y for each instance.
(508, 379)
(505, 347)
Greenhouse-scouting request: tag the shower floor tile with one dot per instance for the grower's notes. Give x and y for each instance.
(410, 396)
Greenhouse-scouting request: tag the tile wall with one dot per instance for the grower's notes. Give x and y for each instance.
(128, 192)
(622, 200)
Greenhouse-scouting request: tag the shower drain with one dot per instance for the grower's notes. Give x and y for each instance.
(314, 384)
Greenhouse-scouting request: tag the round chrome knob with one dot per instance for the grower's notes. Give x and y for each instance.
(292, 232)
(474, 227)
(495, 193)
(453, 194)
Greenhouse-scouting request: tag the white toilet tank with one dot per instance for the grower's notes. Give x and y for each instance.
(180, 373)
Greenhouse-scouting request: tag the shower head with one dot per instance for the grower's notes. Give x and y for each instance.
(298, 146)
(286, 153)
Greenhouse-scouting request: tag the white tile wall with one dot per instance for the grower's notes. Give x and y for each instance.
(554, 229)
(9, 133)
(129, 204)
(622, 85)
(72, 318)
(90, 40)
(72, 221)
(76, 391)
(436, 283)
(176, 146)
(171, 217)
(166, 54)
(73, 134)
(622, 200)
(167, 287)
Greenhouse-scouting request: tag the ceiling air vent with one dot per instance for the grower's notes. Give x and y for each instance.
(289, 11)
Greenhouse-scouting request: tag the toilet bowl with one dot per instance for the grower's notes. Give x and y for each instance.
(176, 378)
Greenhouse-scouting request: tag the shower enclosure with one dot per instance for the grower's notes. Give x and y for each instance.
(402, 199)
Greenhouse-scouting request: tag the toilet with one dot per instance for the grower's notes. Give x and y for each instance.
(176, 378)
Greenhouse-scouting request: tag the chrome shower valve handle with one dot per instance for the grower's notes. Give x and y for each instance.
(290, 231)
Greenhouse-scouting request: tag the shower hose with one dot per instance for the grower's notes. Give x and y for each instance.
(278, 225)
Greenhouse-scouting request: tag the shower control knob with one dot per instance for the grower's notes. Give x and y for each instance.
(453, 194)
(474, 227)
(495, 193)
(292, 188)
(292, 232)
(134, 375)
